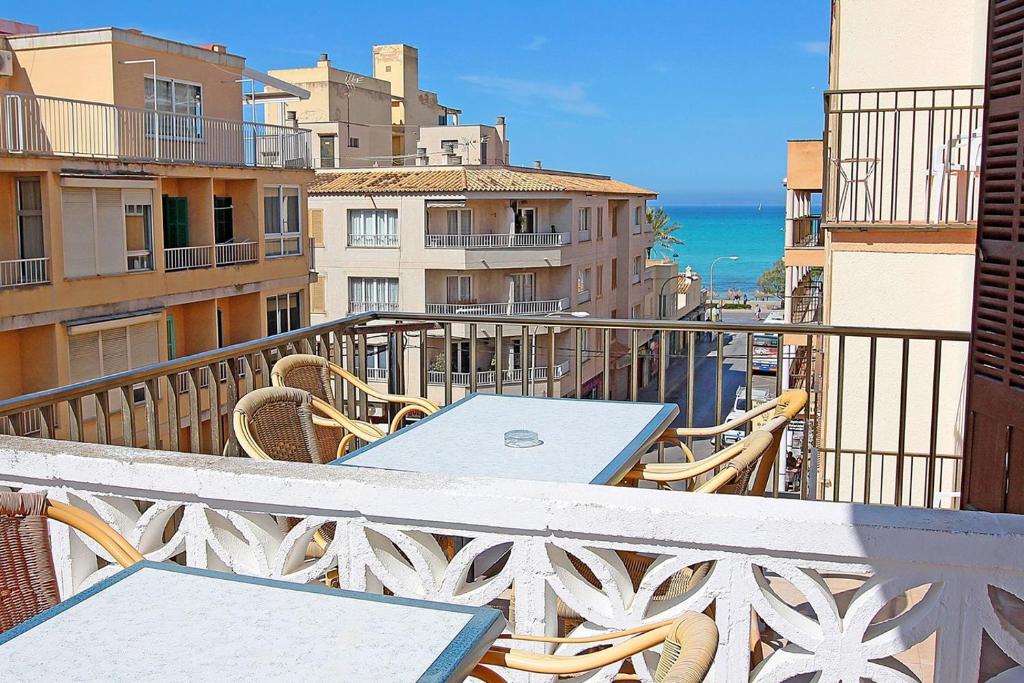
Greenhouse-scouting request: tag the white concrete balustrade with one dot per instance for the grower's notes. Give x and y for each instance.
(852, 592)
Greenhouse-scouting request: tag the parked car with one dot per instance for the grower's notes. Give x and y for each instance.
(739, 406)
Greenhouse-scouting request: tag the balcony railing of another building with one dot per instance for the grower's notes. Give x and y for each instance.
(55, 126)
(885, 427)
(497, 240)
(188, 258)
(385, 240)
(806, 302)
(23, 272)
(807, 232)
(903, 156)
(501, 308)
(232, 253)
(488, 378)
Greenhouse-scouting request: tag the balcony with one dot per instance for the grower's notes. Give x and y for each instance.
(807, 233)
(903, 156)
(34, 125)
(373, 241)
(500, 308)
(487, 378)
(236, 253)
(24, 272)
(899, 592)
(497, 240)
(373, 306)
(188, 258)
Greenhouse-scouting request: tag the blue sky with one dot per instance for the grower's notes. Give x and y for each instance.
(694, 100)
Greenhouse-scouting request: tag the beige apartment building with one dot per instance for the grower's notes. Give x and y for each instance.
(898, 171)
(474, 240)
(140, 218)
(361, 121)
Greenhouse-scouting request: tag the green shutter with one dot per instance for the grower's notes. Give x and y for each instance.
(172, 344)
(175, 221)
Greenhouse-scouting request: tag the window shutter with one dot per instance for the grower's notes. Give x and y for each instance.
(144, 344)
(316, 226)
(994, 440)
(84, 356)
(114, 347)
(110, 254)
(79, 233)
(318, 294)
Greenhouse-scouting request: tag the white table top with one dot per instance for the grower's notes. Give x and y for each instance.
(584, 441)
(158, 621)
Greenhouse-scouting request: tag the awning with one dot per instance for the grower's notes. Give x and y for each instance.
(446, 203)
(285, 87)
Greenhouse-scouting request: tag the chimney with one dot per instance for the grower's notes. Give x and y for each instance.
(536, 164)
(9, 27)
(215, 47)
(323, 59)
(499, 125)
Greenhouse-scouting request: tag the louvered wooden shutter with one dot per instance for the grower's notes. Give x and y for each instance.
(79, 232)
(110, 237)
(994, 439)
(316, 226)
(318, 294)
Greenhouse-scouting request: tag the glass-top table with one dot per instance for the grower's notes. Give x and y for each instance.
(583, 441)
(161, 621)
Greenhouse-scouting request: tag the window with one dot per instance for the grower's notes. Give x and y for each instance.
(328, 156)
(483, 151)
(223, 220)
(637, 213)
(373, 227)
(284, 313)
(523, 287)
(316, 226)
(107, 231)
(459, 289)
(282, 227)
(583, 286)
(526, 220)
(615, 273)
(635, 313)
(460, 221)
(353, 142)
(600, 281)
(600, 222)
(377, 361)
(584, 224)
(615, 223)
(178, 104)
(108, 351)
(373, 294)
(448, 146)
(637, 267)
(30, 235)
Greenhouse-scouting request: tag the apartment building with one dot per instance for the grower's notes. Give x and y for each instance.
(899, 171)
(487, 241)
(677, 296)
(368, 120)
(141, 219)
(472, 145)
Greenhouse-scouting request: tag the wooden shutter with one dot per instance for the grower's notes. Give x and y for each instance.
(110, 235)
(79, 232)
(994, 439)
(316, 226)
(318, 294)
(144, 344)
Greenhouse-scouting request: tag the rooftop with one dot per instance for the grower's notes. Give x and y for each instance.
(467, 179)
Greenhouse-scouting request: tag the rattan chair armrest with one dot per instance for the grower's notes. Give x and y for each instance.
(92, 526)
(596, 638)
(427, 406)
(400, 415)
(362, 430)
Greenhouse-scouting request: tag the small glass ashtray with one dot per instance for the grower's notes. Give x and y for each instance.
(521, 438)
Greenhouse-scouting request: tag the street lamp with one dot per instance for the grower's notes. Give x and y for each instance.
(711, 292)
(533, 339)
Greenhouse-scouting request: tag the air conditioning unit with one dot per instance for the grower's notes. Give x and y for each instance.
(6, 63)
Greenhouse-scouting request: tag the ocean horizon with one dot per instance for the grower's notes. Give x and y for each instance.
(754, 233)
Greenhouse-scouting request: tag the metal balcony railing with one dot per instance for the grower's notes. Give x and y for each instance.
(501, 308)
(55, 126)
(231, 253)
(807, 232)
(903, 156)
(497, 240)
(24, 271)
(188, 258)
(882, 424)
(373, 240)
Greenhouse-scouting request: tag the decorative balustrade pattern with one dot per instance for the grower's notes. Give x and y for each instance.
(860, 593)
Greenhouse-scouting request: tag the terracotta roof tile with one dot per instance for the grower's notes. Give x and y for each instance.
(461, 179)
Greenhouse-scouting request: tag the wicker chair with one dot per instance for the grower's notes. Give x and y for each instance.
(688, 650)
(313, 374)
(28, 581)
(783, 409)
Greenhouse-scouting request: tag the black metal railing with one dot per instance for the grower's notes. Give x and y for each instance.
(878, 427)
(903, 156)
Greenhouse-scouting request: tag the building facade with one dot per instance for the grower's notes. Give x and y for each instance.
(474, 240)
(141, 219)
(898, 169)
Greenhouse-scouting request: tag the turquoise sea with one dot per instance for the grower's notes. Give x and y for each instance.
(755, 235)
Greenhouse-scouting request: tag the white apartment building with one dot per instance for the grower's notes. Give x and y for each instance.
(472, 145)
(486, 241)
(900, 167)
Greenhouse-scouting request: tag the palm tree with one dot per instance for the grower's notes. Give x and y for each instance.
(663, 227)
